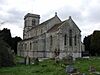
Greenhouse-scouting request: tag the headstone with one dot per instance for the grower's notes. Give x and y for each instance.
(27, 60)
(70, 69)
(92, 69)
(69, 60)
(36, 61)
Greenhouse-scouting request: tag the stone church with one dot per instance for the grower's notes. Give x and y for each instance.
(42, 39)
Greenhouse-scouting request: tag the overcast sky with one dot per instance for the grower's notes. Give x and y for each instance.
(85, 13)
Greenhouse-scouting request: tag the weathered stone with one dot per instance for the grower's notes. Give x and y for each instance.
(92, 69)
(57, 59)
(27, 60)
(36, 61)
(40, 40)
(71, 69)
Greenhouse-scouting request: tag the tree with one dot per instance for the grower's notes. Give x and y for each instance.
(87, 42)
(15, 40)
(6, 56)
(95, 43)
(92, 43)
(5, 35)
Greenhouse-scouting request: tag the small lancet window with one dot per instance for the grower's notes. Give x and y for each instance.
(33, 22)
(30, 46)
(75, 40)
(70, 37)
(50, 40)
(65, 39)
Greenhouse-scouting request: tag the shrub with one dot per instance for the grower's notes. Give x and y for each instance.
(6, 57)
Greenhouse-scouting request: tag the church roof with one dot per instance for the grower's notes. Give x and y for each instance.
(45, 22)
(74, 23)
(35, 37)
(55, 27)
(50, 19)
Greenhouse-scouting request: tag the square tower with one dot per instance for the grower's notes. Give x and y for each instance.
(30, 21)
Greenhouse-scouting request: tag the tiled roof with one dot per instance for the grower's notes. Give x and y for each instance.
(55, 27)
(35, 37)
(45, 22)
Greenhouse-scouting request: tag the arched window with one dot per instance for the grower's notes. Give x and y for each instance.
(33, 22)
(70, 37)
(65, 39)
(25, 46)
(30, 46)
(51, 40)
(20, 46)
(75, 40)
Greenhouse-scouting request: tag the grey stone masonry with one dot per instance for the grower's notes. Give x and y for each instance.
(41, 40)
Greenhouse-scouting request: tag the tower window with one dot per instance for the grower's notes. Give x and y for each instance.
(65, 39)
(33, 22)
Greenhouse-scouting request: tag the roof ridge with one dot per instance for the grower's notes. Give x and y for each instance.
(55, 27)
(50, 19)
(45, 22)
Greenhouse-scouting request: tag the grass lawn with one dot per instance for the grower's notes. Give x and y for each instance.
(48, 67)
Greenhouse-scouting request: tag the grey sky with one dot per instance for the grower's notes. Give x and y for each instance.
(85, 13)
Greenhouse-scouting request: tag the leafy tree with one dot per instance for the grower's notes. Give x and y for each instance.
(7, 44)
(6, 56)
(5, 35)
(15, 40)
(87, 42)
(92, 43)
(95, 42)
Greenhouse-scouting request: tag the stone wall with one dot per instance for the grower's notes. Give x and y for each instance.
(38, 41)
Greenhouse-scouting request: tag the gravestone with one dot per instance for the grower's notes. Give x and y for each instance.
(27, 60)
(68, 60)
(36, 61)
(70, 69)
(92, 69)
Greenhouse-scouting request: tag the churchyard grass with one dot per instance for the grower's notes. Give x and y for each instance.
(49, 67)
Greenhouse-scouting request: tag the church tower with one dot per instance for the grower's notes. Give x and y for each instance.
(30, 21)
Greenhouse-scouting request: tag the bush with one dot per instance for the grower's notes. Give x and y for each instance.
(6, 57)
